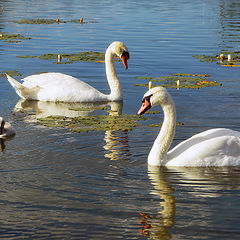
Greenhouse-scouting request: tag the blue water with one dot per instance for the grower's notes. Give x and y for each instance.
(56, 184)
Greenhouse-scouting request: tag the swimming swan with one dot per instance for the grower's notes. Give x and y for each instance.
(58, 87)
(214, 147)
(6, 130)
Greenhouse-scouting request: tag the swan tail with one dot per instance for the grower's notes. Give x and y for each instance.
(22, 91)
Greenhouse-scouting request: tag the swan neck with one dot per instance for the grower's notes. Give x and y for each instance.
(114, 84)
(158, 153)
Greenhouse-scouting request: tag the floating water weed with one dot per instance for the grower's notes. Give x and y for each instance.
(181, 80)
(160, 124)
(10, 72)
(93, 123)
(13, 38)
(226, 59)
(51, 21)
(89, 56)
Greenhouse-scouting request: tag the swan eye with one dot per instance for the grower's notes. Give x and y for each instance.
(125, 53)
(146, 98)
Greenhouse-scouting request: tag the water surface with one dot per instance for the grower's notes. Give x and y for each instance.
(56, 184)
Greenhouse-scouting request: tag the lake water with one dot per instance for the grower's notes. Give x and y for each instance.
(56, 184)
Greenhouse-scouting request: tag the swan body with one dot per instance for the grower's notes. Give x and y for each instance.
(214, 147)
(58, 87)
(6, 130)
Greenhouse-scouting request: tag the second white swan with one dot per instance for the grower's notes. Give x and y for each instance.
(58, 87)
(214, 147)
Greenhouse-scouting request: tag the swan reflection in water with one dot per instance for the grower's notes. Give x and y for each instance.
(157, 226)
(39, 109)
(195, 183)
(116, 141)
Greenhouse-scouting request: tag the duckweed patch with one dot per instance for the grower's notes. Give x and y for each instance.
(93, 123)
(13, 38)
(181, 80)
(89, 56)
(43, 21)
(222, 58)
(10, 73)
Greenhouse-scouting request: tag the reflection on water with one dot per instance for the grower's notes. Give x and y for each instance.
(46, 109)
(117, 145)
(158, 226)
(116, 141)
(2, 144)
(197, 183)
(229, 16)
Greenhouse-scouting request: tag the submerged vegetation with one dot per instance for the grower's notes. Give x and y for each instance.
(181, 80)
(93, 123)
(13, 38)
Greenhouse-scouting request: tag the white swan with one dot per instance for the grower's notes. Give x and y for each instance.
(58, 87)
(214, 147)
(6, 130)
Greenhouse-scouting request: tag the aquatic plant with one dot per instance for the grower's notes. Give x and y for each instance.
(93, 123)
(160, 124)
(51, 21)
(89, 56)
(10, 72)
(181, 80)
(12, 38)
(226, 58)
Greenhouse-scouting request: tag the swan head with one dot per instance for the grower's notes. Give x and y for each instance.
(121, 51)
(153, 97)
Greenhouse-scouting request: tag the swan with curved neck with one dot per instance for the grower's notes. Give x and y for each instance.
(214, 147)
(6, 129)
(58, 87)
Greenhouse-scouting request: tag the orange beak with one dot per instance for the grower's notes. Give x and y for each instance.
(124, 60)
(145, 106)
